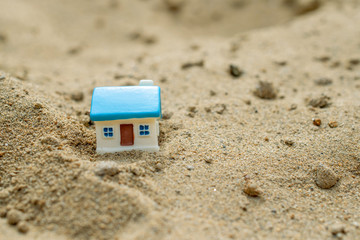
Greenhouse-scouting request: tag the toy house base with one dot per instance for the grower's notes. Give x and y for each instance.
(122, 149)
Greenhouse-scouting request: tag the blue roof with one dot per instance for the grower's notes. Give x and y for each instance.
(114, 103)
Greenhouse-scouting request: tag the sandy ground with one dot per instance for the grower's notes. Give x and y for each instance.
(221, 140)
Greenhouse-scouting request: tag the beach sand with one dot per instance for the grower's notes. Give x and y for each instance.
(260, 136)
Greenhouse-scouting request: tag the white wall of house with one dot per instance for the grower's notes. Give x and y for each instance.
(147, 143)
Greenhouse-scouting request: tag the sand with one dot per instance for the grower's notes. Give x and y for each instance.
(238, 159)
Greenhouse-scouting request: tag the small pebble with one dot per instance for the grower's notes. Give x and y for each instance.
(3, 212)
(323, 58)
(77, 96)
(38, 106)
(193, 64)
(356, 224)
(354, 61)
(50, 140)
(316, 121)
(265, 90)
(333, 124)
(2, 76)
(4, 194)
(305, 6)
(167, 115)
(191, 114)
(149, 39)
(320, 102)
(280, 63)
(247, 102)
(106, 168)
(252, 189)
(235, 71)
(337, 228)
(159, 167)
(3, 38)
(137, 171)
(74, 50)
(23, 227)
(174, 5)
(192, 109)
(13, 216)
(292, 107)
(189, 167)
(208, 160)
(289, 143)
(325, 177)
(323, 81)
(219, 108)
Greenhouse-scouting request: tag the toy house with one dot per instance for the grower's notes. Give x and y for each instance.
(126, 117)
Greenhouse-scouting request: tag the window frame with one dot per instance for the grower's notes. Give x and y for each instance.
(108, 131)
(146, 128)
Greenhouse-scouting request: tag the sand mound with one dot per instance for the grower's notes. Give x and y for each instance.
(46, 173)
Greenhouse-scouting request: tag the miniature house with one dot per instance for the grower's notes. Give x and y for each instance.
(126, 118)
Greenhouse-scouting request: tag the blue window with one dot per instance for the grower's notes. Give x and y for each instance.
(144, 130)
(108, 132)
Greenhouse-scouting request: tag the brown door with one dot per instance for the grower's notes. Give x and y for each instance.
(127, 134)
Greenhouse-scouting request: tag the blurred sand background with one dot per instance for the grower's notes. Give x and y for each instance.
(221, 139)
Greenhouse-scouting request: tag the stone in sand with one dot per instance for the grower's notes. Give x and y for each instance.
(289, 142)
(106, 168)
(167, 115)
(208, 160)
(333, 124)
(325, 177)
(337, 228)
(235, 71)
(3, 212)
(316, 121)
(136, 170)
(265, 90)
(77, 96)
(4, 194)
(174, 5)
(38, 105)
(23, 227)
(323, 81)
(159, 167)
(252, 189)
(13, 216)
(320, 102)
(189, 167)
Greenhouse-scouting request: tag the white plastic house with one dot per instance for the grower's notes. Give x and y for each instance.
(126, 118)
